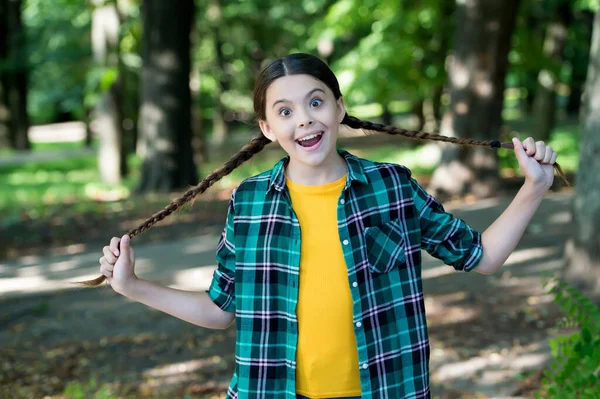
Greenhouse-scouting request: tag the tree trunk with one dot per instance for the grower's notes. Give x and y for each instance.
(165, 114)
(387, 117)
(437, 103)
(4, 126)
(109, 114)
(431, 110)
(220, 127)
(14, 120)
(579, 72)
(583, 250)
(477, 72)
(4, 108)
(418, 113)
(89, 137)
(544, 105)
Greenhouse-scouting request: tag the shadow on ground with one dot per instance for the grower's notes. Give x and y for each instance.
(487, 332)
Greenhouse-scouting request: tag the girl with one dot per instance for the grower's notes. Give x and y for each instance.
(320, 259)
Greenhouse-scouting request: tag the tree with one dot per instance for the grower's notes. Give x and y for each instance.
(4, 113)
(14, 120)
(165, 115)
(544, 105)
(583, 250)
(477, 71)
(220, 128)
(387, 51)
(112, 160)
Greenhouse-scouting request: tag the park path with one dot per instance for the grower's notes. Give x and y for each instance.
(486, 332)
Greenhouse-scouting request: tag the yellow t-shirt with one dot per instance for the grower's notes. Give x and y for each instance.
(327, 355)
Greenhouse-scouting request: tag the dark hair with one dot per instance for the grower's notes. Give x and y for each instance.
(294, 64)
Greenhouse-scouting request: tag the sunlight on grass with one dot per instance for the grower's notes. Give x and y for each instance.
(29, 191)
(49, 147)
(67, 145)
(91, 389)
(420, 160)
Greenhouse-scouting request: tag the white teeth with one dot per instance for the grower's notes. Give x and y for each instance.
(312, 136)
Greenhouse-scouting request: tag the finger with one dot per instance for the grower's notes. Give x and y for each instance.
(529, 146)
(540, 150)
(109, 255)
(553, 160)
(105, 272)
(548, 154)
(519, 149)
(106, 265)
(125, 247)
(114, 245)
(131, 254)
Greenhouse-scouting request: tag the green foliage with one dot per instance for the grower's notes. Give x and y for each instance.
(575, 371)
(383, 52)
(386, 50)
(527, 57)
(63, 77)
(59, 56)
(89, 390)
(591, 5)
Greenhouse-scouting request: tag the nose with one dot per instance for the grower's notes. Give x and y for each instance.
(306, 122)
(303, 117)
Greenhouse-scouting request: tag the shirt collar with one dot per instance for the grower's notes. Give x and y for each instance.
(355, 171)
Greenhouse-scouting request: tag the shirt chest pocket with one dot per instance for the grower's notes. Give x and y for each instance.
(385, 246)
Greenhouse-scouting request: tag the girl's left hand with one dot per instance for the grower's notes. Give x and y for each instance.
(536, 160)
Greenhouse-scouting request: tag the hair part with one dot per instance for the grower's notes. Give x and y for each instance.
(292, 64)
(295, 64)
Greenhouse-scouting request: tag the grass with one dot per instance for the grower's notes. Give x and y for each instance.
(29, 191)
(77, 390)
(49, 147)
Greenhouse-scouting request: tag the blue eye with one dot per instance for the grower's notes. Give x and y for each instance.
(283, 110)
(317, 101)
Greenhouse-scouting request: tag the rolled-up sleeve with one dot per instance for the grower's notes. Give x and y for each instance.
(444, 236)
(222, 287)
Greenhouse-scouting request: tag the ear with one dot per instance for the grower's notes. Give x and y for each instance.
(341, 106)
(266, 130)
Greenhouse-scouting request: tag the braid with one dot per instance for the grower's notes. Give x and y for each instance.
(258, 143)
(255, 146)
(356, 123)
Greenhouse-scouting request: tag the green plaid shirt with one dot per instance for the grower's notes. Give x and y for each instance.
(384, 219)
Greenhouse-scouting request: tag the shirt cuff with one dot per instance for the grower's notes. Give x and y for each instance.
(475, 254)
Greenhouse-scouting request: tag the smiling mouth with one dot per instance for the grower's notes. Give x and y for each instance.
(311, 140)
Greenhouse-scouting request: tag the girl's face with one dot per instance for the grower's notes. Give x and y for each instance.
(303, 115)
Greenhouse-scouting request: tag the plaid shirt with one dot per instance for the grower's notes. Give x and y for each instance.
(384, 219)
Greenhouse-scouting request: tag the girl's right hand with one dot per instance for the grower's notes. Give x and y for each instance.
(119, 265)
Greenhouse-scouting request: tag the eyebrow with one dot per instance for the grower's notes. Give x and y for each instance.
(310, 93)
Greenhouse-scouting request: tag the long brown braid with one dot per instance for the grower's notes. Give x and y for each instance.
(289, 65)
(248, 151)
(356, 123)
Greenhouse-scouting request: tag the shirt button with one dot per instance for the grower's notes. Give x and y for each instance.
(358, 324)
(345, 242)
(342, 201)
(355, 284)
(365, 365)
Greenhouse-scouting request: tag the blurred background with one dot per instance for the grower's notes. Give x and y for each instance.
(110, 109)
